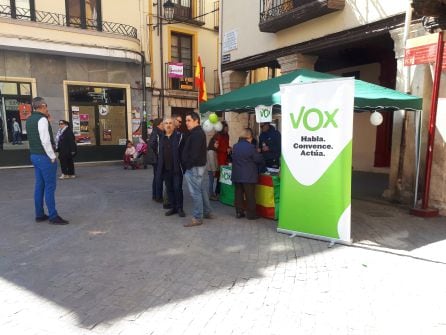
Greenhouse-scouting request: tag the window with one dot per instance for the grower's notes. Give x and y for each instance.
(19, 9)
(181, 52)
(85, 14)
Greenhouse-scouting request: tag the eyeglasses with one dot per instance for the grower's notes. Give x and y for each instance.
(61, 123)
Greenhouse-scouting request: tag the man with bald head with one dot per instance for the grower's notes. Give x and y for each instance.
(169, 166)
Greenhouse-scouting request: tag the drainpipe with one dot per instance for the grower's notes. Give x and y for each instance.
(160, 30)
(220, 37)
(143, 28)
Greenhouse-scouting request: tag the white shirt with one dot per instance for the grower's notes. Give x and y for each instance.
(45, 138)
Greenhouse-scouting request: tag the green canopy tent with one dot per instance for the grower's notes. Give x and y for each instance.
(367, 96)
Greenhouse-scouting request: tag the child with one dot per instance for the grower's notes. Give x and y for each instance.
(212, 166)
(129, 156)
(141, 151)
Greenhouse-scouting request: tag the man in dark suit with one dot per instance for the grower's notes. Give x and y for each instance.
(169, 166)
(245, 166)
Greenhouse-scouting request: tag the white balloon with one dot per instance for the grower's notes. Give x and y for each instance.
(208, 126)
(218, 126)
(376, 118)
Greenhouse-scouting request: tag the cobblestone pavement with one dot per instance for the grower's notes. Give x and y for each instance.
(122, 267)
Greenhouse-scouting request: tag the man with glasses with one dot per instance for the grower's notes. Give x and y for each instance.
(169, 167)
(43, 158)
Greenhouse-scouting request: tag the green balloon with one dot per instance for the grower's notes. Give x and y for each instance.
(213, 118)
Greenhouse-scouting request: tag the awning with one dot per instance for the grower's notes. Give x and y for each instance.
(367, 96)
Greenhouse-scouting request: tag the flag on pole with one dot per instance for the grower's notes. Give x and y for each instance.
(199, 81)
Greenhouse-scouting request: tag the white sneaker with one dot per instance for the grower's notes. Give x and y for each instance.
(62, 176)
(72, 176)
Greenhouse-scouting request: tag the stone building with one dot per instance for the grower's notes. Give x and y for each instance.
(364, 39)
(86, 58)
(175, 44)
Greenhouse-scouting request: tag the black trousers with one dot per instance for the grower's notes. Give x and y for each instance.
(248, 191)
(174, 188)
(67, 165)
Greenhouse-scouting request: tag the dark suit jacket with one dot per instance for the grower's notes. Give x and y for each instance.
(245, 163)
(67, 144)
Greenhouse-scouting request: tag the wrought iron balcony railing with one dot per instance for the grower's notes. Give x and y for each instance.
(276, 15)
(190, 11)
(62, 20)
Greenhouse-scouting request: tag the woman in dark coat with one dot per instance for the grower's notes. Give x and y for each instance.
(66, 147)
(245, 166)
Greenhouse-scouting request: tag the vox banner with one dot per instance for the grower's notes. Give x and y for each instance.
(317, 127)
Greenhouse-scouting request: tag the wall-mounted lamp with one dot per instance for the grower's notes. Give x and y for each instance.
(169, 10)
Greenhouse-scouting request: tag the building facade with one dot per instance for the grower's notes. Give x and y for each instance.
(86, 58)
(175, 46)
(364, 39)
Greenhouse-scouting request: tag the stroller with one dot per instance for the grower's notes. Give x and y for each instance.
(141, 153)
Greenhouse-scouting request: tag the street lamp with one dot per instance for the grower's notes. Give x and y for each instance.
(169, 9)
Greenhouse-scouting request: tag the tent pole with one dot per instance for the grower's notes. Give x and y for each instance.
(417, 155)
(425, 211)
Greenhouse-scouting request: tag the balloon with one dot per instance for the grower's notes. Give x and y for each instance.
(376, 118)
(207, 126)
(218, 126)
(213, 118)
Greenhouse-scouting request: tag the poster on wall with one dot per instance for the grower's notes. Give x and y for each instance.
(84, 131)
(315, 193)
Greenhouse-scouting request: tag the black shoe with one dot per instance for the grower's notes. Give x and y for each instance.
(181, 213)
(42, 218)
(239, 215)
(158, 200)
(167, 206)
(171, 212)
(255, 217)
(58, 221)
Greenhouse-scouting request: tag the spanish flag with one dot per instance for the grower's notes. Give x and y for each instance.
(199, 81)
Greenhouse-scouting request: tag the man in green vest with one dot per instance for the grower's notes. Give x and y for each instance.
(43, 158)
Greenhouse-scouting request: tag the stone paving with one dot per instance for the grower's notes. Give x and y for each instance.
(122, 267)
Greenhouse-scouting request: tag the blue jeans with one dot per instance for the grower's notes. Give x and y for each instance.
(198, 188)
(211, 182)
(16, 137)
(45, 172)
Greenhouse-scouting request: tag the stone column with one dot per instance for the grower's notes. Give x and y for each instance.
(296, 61)
(402, 165)
(233, 80)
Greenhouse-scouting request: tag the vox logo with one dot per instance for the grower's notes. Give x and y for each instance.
(314, 119)
(264, 113)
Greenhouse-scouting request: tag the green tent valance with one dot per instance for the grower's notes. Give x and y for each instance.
(367, 96)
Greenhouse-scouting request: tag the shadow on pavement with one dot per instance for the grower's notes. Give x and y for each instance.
(121, 256)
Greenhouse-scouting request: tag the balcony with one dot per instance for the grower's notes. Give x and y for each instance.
(276, 15)
(189, 11)
(56, 19)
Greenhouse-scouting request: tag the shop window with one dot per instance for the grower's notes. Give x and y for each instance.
(15, 107)
(181, 52)
(98, 115)
(85, 14)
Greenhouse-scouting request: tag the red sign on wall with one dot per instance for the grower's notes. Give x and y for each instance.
(422, 50)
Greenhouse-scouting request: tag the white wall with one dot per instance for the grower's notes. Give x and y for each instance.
(243, 16)
(364, 134)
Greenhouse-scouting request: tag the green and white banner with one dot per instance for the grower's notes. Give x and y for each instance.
(315, 191)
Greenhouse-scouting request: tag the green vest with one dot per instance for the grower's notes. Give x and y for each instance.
(32, 130)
